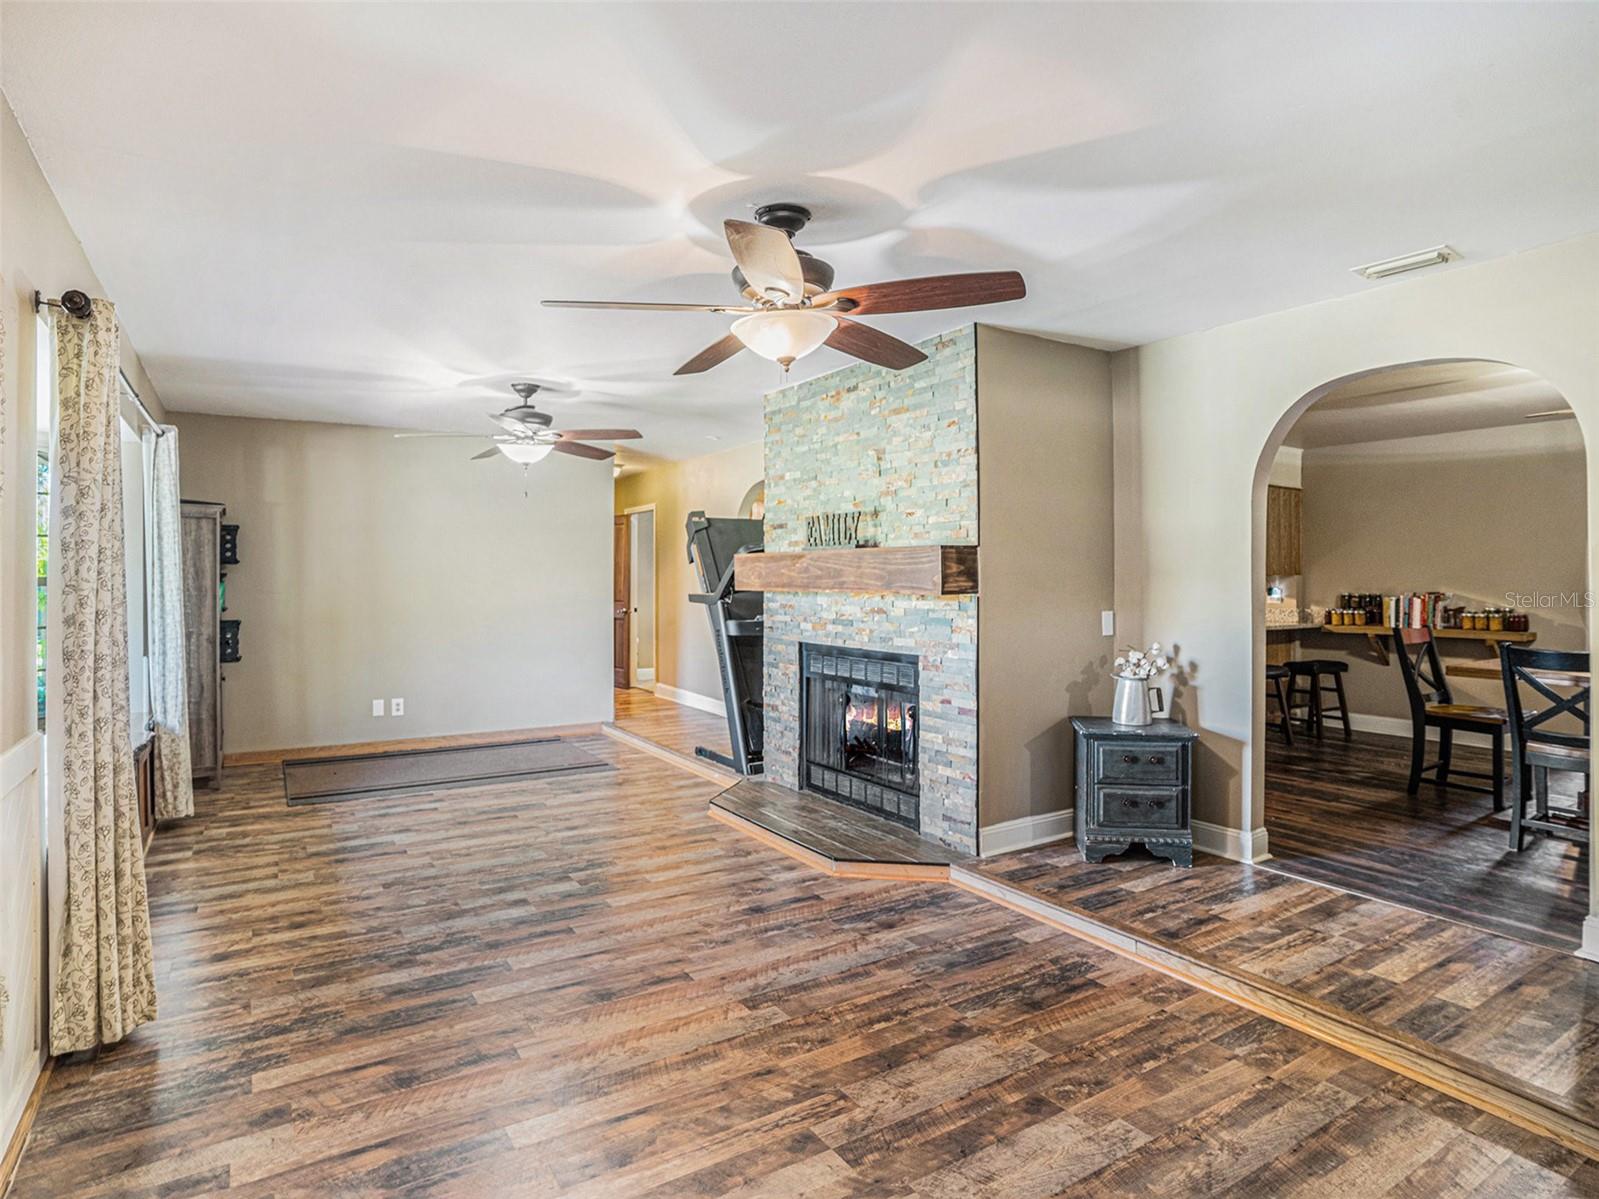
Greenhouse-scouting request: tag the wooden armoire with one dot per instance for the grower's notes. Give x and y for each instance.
(202, 623)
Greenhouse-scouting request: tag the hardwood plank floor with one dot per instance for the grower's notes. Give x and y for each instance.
(583, 986)
(1517, 1009)
(1337, 813)
(672, 725)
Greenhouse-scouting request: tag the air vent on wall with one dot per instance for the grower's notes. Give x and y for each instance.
(1436, 256)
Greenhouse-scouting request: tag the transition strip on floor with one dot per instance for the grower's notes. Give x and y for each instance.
(704, 767)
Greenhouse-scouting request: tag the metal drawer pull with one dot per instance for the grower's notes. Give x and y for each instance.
(1155, 759)
(1129, 757)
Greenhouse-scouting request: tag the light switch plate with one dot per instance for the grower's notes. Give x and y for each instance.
(377, 707)
(396, 707)
(1107, 624)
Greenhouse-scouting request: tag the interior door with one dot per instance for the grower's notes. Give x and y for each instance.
(621, 592)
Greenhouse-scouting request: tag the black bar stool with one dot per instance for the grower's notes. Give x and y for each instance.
(1309, 678)
(1276, 678)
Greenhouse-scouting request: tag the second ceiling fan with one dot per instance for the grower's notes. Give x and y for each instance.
(793, 309)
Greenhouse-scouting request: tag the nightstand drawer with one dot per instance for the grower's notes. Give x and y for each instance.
(1140, 807)
(1128, 762)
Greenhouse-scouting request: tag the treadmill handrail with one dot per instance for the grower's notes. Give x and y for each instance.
(724, 586)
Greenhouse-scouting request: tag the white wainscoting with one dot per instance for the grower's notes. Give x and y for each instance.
(691, 699)
(1023, 833)
(21, 923)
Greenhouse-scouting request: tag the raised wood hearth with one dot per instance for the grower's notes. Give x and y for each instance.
(831, 836)
(892, 570)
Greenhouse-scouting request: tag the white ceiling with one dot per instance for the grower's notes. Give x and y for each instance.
(350, 212)
(1419, 401)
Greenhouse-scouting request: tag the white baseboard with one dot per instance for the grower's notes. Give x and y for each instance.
(691, 699)
(1237, 844)
(1398, 726)
(644, 674)
(1023, 833)
(1590, 939)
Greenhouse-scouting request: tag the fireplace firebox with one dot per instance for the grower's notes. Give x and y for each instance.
(859, 727)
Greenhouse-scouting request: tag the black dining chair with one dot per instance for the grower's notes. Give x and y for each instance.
(1433, 706)
(1537, 747)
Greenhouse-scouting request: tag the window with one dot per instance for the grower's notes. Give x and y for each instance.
(134, 508)
(44, 404)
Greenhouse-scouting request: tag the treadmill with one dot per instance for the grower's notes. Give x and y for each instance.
(737, 627)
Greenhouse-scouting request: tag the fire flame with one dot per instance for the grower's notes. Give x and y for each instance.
(867, 714)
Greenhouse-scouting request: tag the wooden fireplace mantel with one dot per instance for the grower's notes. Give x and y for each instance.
(896, 570)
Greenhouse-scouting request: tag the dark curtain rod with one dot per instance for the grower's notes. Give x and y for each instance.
(77, 304)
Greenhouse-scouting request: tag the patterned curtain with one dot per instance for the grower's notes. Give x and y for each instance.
(169, 685)
(105, 979)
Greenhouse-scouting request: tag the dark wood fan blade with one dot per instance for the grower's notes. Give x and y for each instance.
(578, 449)
(921, 295)
(767, 258)
(491, 452)
(641, 307)
(599, 434)
(712, 355)
(871, 344)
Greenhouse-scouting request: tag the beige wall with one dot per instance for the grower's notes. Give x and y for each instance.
(1044, 565)
(1212, 408)
(38, 250)
(1486, 512)
(685, 655)
(372, 567)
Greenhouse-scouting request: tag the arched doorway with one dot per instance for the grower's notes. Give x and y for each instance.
(1421, 488)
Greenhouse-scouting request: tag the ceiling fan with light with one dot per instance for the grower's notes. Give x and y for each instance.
(793, 309)
(528, 438)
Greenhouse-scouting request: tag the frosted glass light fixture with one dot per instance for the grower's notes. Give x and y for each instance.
(525, 452)
(784, 334)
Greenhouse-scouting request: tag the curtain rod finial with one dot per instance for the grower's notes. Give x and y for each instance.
(73, 303)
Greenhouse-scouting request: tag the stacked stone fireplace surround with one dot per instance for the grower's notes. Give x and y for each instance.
(901, 448)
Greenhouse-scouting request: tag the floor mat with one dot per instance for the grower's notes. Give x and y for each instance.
(411, 772)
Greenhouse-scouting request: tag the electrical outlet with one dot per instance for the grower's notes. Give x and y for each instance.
(377, 707)
(1107, 624)
(396, 707)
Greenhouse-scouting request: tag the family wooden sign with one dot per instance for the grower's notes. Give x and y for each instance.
(829, 530)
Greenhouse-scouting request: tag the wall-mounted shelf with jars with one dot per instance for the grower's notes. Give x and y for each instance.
(1379, 636)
